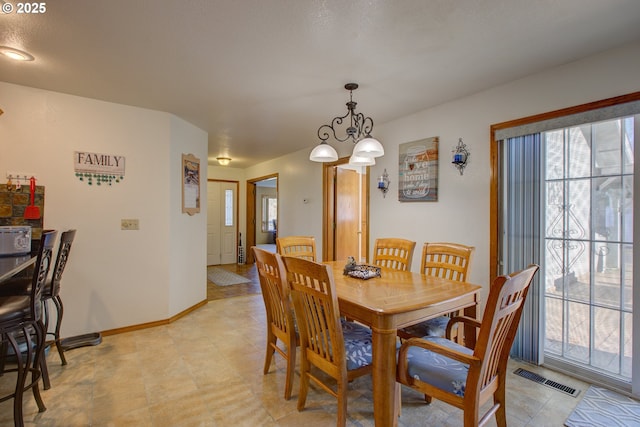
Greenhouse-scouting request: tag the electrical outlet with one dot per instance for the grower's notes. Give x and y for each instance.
(129, 224)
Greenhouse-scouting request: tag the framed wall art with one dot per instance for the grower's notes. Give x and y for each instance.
(190, 184)
(418, 171)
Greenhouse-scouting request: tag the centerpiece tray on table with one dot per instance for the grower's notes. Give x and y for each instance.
(362, 271)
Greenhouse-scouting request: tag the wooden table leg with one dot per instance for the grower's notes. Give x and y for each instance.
(470, 332)
(384, 377)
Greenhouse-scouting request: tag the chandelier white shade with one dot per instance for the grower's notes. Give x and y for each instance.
(358, 130)
(323, 152)
(361, 160)
(368, 147)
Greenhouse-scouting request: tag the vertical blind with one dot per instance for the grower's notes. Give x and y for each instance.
(520, 220)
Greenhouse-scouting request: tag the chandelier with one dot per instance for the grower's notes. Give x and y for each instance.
(358, 131)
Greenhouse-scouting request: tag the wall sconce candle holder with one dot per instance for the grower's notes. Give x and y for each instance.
(460, 156)
(383, 183)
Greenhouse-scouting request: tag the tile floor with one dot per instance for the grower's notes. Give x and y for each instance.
(206, 370)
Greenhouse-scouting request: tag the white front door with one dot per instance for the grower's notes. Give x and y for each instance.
(222, 228)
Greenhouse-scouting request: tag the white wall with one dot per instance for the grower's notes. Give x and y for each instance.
(188, 233)
(112, 274)
(462, 211)
(114, 278)
(298, 179)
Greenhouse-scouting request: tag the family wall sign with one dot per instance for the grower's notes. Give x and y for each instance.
(99, 168)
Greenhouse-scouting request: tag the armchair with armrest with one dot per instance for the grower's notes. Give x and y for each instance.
(463, 377)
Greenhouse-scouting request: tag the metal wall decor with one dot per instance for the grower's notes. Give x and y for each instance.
(460, 156)
(383, 183)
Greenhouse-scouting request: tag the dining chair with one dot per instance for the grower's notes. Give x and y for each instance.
(393, 253)
(51, 291)
(340, 349)
(20, 317)
(448, 261)
(279, 310)
(466, 378)
(297, 246)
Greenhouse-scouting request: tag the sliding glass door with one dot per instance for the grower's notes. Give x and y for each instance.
(588, 247)
(565, 197)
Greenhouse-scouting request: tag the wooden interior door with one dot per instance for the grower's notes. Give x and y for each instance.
(347, 215)
(346, 200)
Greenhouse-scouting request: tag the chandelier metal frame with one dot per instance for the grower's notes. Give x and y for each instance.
(359, 125)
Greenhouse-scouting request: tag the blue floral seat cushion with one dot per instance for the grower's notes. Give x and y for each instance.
(438, 370)
(358, 345)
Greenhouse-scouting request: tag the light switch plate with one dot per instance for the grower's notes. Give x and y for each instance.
(129, 224)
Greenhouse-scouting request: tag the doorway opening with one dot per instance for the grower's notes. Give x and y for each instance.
(262, 213)
(345, 230)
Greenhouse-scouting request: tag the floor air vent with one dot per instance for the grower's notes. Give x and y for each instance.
(549, 383)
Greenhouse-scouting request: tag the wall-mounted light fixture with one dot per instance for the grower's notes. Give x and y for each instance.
(223, 161)
(383, 183)
(460, 156)
(358, 131)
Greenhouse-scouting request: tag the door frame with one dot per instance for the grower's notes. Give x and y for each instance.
(328, 209)
(250, 232)
(494, 225)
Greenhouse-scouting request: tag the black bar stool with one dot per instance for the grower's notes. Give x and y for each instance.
(21, 320)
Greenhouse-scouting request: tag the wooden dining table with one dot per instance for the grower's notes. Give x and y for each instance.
(395, 300)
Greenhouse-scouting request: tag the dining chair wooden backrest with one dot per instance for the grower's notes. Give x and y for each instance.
(450, 261)
(463, 378)
(297, 246)
(393, 253)
(446, 260)
(279, 310)
(322, 333)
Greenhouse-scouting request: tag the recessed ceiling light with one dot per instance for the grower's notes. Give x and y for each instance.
(17, 54)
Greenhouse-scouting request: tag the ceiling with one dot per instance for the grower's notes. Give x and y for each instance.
(260, 76)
